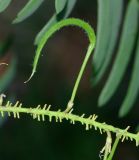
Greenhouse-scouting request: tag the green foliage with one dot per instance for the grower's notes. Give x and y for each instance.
(103, 30)
(28, 10)
(109, 20)
(56, 27)
(63, 9)
(39, 114)
(60, 5)
(50, 32)
(124, 53)
(107, 33)
(133, 88)
(4, 4)
(55, 18)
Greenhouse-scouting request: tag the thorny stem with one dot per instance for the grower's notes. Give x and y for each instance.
(59, 116)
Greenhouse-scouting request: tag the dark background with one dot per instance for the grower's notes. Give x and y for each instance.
(52, 84)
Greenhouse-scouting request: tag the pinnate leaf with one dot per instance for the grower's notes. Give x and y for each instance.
(116, 8)
(55, 18)
(59, 5)
(28, 10)
(4, 4)
(124, 53)
(133, 88)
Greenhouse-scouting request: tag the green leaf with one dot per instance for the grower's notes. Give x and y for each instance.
(58, 26)
(55, 18)
(60, 5)
(116, 8)
(125, 49)
(133, 88)
(4, 4)
(28, 10)
(103, 34)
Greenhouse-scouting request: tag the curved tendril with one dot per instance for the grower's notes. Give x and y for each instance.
(67, 22)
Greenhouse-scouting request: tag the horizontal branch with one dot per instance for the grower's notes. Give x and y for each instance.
(89, 122)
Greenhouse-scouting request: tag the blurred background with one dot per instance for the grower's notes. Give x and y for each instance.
(52, 84)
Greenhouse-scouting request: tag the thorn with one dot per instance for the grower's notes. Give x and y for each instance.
(90, 126)
(90, 117)
(100, 130)
(82, 115)
(60, 119)
(20, 105)
(48, 108)
(38, 117)
(16, 104)
(8, 103)
(124, 136)
(95, 127)
(18, 116)
(44, 108)
(59, 110)
(56, 119)
(43, 118)
(72, 121)
(14, 113)
(34, 115)
(50, 118)
(38, 107)
(87, 127)
(94, 117)
(70, 111)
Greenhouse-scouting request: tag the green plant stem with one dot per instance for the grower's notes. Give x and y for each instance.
(107, 147)
(114, 148)
(105, 155)
(88, 54)
(89, 122)
(63, 23)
